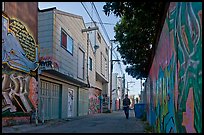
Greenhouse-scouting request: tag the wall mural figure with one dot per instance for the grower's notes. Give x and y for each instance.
(13, 51)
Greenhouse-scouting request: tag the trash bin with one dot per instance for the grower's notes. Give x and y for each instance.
(139, 110)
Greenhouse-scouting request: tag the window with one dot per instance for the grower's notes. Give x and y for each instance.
(99, 37)
(66, 41)
(70, 45)
(2, 6)
(103, 65)
(106, 51)
(90, 63)
(81, 64)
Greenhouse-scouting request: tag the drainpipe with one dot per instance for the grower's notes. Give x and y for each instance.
(88, 60)
(87, 30)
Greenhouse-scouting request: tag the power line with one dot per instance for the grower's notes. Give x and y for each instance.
(104, 23)
(88, 13)
(105, 32)
(101, 22)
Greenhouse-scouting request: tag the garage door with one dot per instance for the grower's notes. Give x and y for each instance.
(49, 100)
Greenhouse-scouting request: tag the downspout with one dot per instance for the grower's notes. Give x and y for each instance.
(88, 60)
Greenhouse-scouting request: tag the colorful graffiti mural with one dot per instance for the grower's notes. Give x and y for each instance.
(19, 71)
(94, 101)
(174, 85)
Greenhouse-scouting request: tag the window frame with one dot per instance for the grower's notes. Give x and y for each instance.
(68, 37)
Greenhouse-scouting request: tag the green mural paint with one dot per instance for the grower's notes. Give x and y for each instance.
(179, 65)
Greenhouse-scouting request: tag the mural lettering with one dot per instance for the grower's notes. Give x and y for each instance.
(26, 40)
(19, 93)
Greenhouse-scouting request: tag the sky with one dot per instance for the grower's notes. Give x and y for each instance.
(109, 22)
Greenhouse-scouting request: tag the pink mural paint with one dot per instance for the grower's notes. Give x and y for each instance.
(33, 96)
(188, 116)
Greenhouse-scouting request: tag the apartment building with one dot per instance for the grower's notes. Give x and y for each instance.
(101, 55)
(63, 71)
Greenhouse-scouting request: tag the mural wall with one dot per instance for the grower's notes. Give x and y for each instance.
(19, 64)
(94, 101)
(174, 85)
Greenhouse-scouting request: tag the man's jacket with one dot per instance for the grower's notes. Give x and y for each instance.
(126, 102)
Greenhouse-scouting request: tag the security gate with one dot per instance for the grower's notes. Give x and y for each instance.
(49, 97)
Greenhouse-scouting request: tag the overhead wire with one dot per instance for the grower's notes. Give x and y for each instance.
(88, 13)
(103, 28)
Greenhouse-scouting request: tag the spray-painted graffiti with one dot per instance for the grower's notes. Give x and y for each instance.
(48, 62)
(19, 93)
(189, 42)
(94, 101)
(70, 103)
(19, 66)
(174, 85)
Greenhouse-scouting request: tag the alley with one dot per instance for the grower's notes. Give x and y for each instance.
(98, 123)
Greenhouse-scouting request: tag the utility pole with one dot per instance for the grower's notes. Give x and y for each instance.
(111, 72)
(127, 86)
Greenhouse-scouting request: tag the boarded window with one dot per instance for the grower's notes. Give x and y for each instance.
(64, 39)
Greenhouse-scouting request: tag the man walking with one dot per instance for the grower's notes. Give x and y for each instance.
(126, 104)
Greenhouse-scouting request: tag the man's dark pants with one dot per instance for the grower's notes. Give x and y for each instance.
(126, 110)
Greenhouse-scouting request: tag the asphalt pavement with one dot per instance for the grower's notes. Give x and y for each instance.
(114, 122)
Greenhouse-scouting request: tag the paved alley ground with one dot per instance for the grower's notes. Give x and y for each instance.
(114, 122)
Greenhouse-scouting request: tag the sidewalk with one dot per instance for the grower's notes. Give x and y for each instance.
(29, 127)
